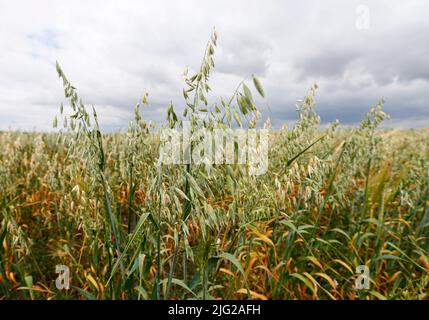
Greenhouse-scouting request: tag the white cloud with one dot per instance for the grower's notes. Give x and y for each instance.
(114, 51)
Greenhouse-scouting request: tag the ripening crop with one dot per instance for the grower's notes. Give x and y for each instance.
(130, 227)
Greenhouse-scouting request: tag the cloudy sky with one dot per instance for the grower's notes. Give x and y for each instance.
(114, 51)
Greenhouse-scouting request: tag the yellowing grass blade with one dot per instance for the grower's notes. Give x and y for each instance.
(254, 294)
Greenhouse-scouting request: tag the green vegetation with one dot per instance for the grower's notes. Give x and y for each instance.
(129, 228)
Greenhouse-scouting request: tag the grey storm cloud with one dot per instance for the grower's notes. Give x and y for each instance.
(242, 54)
(326, 62)
(114, 52)
(399, 56)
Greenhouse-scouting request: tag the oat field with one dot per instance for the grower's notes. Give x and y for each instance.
(128, 227)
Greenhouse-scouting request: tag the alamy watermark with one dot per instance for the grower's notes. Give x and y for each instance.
(216, 146)
(363, 17)
(362, 280)
(63, 280)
